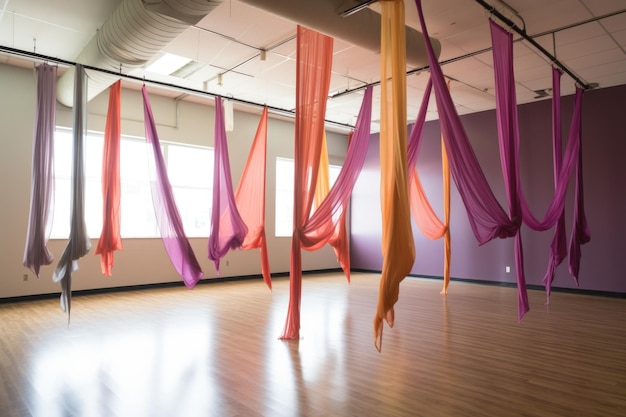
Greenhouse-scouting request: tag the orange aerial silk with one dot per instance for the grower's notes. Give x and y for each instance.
(339, 240)
(397, 238)
(110, 238)
(425, 217)
(313, 66)
(250, 197)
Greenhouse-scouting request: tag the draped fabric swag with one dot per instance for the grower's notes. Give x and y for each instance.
(423, 214)
(78, 244)
(36, 252)
(398, 247)
(228, 229)
(168, 218)
(250, 197)
(110, 238)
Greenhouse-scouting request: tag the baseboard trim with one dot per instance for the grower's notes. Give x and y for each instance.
(610, 294)
(172, 284)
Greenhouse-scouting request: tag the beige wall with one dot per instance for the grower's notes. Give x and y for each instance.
(142, 261)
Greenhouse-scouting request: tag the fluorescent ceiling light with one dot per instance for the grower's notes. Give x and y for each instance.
(167, 64)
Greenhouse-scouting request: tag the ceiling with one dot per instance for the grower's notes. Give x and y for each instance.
(225, 49)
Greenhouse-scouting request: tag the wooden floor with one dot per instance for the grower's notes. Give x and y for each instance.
(214, 351)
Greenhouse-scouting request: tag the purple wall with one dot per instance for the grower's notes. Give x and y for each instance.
(604, 144)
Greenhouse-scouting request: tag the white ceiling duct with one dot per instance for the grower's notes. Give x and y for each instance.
(360, 29)
(133, 35)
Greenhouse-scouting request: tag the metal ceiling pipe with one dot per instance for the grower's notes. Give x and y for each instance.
(131, 36)
(361, 29)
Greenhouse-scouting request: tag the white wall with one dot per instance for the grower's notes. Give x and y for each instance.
(142, 261)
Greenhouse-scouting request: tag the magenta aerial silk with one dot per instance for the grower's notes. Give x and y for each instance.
(508, 133)
(110, 236)
(228, 229)
(36, 252)
(250, 197)
(78, 244)
(168, 218)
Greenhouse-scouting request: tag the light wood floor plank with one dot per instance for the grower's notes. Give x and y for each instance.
(214, 351)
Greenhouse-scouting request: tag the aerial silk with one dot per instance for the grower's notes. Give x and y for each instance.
(36, 252)
(339, 240)
(398, 247)
(250, 198)
(168, 218)
(320, 228)
(423, 214)
(313, 65)
(78, 244)
(110, 238)
(508, 134)
(228, 229)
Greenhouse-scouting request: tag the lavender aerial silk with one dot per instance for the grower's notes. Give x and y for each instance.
(415, 139)
(168, 218)
(36, 252)
(228, 230)
(78, 244)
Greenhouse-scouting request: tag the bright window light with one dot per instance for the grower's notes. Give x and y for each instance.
(167, 64)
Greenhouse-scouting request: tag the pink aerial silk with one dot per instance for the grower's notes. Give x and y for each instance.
(423, 214)
(250, 198)
(78, 243)
(110, 237)
(508, 133)
(168, 218)
(398, 247)
(36, 252)
(228, 229)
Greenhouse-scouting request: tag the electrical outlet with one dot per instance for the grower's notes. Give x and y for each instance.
(507, 269)
(25, 277)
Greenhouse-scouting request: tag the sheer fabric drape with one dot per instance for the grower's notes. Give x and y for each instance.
(228, 229)
(78, 244)
(250, 197)
(110, 237)
(36, 252)
(168, 218)
(398, 247)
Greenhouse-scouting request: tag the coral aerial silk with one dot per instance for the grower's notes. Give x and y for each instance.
(36, 252)
(313, 66)
(228, 229)
(423, 214)
(250, 197)
(110, 237)
(398, 247)
(168, 218)
(78, 244)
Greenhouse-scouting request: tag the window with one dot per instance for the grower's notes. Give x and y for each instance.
(190, 171)
(283, 223)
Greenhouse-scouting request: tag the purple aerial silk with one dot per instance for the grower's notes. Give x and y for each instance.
(168, 218)
(487, 218)
(78, 244)
(558, 246)
(228, 230)
(36, 252)
(415, 139)
(508, 134)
